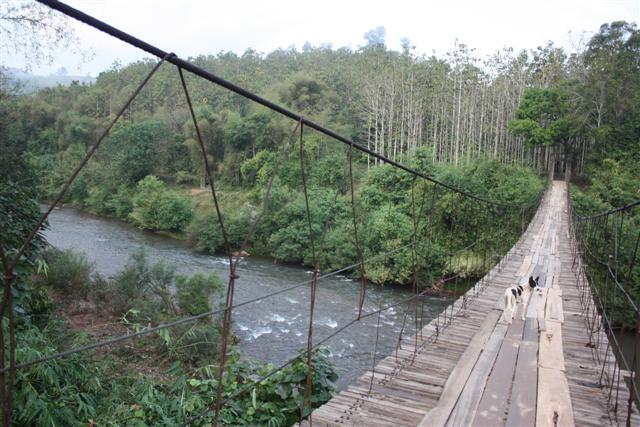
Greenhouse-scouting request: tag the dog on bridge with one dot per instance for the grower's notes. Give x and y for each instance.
(516, 295)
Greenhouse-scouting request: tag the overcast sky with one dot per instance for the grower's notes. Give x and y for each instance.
(193, 27)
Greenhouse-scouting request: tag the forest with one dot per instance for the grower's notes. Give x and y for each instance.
(496, 127)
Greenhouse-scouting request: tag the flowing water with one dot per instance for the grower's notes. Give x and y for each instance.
(274, 328)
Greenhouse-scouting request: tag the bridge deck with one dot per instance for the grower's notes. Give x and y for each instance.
(480, 371)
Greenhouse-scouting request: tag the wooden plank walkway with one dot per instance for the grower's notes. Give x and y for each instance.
(479, 371)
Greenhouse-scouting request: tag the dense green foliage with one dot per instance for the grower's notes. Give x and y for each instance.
(82, 390)
(611, 90)
(109, 389)
(385, 213)
(546, 117)
(156, 208)
(68, 272)
(18, 216)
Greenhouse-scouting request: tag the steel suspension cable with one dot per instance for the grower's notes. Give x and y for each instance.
(314, 284)
(226, 325)
(592, 235)
(356, 240)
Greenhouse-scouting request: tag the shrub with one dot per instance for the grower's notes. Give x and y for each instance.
(63, 391)
(259, 168)
(587, 203)
(205, 233)
(186, 178)
(19, 213)
(78, 390)
(388, 229)
(195, 291)
(156, 208)
(68, 272)
(339, 248)
(98, 200)
(277, 400)
(196, 345)
(145, 292)
(143, 288)
(121, 203)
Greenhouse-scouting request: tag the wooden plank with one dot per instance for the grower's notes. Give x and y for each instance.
(522, 411)
(548, 274)
(554, 407)
(540, 309)
(551, 355)
(536, 300)
(526, 263)
(554, 309)
(469, 399)
(495, 397)
(453, 387)
(556, 277)
(542, 282)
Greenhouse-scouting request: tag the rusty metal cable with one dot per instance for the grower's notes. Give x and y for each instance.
(416, 264)
(375, 351)
(226, 325)
(314, 283)
(356, 240)
(414, 288)
(607, 213)
(592, 235)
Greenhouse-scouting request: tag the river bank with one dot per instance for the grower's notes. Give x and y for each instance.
(272, 329)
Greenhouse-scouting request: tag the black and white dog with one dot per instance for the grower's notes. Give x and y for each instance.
(515, 295)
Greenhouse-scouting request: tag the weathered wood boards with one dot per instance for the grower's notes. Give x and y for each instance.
(469, 399)
(457, 380)
(494, 402)
(522, 411)
(554, 309)
(481, 372)
(554, 401)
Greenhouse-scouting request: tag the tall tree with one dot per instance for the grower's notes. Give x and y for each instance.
(548, 117)
(34, 31)
(611, 87)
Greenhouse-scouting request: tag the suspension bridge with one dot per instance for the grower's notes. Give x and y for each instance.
(473, 369)
(563, 365)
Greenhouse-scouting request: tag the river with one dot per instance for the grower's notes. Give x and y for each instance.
(272, 329)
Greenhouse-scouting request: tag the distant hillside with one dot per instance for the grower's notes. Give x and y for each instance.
(29, 83)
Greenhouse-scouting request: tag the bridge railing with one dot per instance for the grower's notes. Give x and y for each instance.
(425, 194)
(605, 249)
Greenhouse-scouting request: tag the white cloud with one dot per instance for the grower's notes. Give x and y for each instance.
(192, 27)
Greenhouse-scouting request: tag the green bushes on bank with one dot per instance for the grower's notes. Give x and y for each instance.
(385, 216)
(106, 388)
(68, 272)
(157, 208)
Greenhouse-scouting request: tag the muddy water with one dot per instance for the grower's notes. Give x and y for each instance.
(274, 328)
